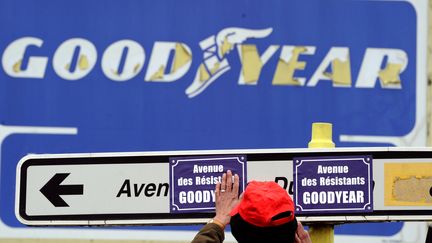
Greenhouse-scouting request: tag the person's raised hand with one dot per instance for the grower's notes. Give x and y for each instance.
(227, 197)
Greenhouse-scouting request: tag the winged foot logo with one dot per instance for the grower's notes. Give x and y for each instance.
(123, 60)
(215, 62)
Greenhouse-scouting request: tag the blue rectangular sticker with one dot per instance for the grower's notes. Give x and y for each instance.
(193, 180)
(333, 184)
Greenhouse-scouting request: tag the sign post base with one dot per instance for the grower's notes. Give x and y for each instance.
(323, 233)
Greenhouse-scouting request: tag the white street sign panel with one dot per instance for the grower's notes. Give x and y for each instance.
(133, 188)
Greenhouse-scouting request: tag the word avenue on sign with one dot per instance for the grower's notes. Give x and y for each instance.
(129, 189)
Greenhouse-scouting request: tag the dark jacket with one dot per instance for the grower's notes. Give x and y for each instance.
(210, 233)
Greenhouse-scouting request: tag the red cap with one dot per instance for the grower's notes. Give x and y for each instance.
(265, 204)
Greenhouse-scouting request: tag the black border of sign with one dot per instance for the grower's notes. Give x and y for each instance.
(252, 157)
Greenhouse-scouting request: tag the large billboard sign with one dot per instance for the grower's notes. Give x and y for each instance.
(110, 76)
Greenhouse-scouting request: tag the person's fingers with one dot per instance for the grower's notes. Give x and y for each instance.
(236, 185)
(223, 184)
(302, 234)
(297, 239)
(229, 181)
(299, 227)
(217, 188)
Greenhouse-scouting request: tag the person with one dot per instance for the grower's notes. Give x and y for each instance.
(263, 213)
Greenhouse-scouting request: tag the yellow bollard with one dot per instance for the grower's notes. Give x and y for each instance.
(321, 135)
(321, 138)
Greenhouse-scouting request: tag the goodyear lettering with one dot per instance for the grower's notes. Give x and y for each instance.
(123, 60)
(204, 196)
(333, 197)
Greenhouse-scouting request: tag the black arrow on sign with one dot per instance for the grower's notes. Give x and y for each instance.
(52, 190)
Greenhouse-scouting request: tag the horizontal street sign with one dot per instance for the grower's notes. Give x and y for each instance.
(134, 188)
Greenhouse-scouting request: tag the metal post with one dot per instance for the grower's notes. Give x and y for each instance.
(321, 138)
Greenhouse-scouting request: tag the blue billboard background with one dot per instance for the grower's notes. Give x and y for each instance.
(136, 115)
